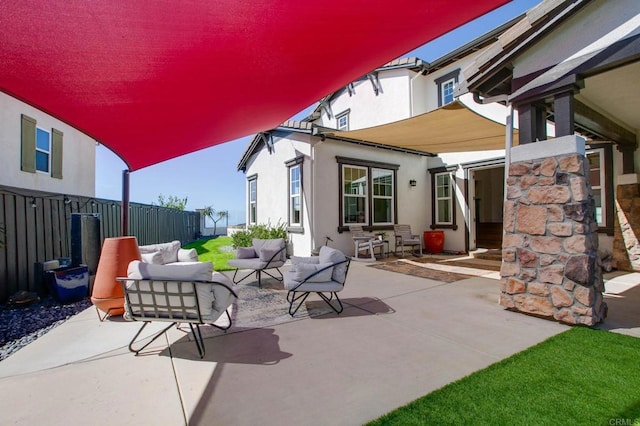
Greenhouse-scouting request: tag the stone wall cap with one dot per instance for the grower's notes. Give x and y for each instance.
(564, 145)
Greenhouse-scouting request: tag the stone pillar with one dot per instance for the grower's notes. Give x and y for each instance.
(626, 247)
(550, 267)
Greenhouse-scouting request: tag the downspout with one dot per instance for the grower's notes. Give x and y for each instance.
(418, 74)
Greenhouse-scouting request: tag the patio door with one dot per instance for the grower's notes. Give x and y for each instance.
(488, 207)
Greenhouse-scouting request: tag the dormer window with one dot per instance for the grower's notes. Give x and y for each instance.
(446, 87)
(342, 121)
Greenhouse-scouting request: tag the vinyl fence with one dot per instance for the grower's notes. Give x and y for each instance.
(36, 227)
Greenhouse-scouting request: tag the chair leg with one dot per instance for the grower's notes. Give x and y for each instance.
(158, 334)
(280, 278)
(198, 339)
(292, 298)
(328, 301)
(245, 277)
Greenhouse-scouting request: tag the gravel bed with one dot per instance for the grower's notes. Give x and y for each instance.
(21, 325)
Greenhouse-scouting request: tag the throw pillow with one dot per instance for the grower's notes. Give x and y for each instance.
(187, 255)
(305, 270)
(245, 253)
(269, 255)
(331, 255)
(169, 250)
(153, 257)
(275, 243)
(297, 260)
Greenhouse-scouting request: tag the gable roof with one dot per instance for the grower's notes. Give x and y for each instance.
(490, 73)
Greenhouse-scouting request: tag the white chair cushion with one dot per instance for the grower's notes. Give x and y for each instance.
(304, 270)
(187, 255)
(153, 258)
(201, 271)
(272, 244)
(327, 286)
(297, 260)
(254, 263)
(169, 250)
(331, 255)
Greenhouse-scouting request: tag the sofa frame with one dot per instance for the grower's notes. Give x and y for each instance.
(176, 302)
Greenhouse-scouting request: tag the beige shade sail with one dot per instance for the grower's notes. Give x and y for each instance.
(451, 128)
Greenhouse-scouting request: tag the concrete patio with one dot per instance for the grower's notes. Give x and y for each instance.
(399, 338)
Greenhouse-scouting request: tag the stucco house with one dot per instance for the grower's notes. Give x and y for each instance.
(42, 153)
(319, 178)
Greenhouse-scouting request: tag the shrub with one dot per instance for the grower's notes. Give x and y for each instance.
(264, 232)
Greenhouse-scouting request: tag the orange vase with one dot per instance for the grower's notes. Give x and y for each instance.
(116, 254)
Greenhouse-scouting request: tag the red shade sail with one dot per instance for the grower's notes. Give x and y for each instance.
(156, 79)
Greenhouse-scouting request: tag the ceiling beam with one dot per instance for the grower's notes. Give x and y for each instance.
(602, 126)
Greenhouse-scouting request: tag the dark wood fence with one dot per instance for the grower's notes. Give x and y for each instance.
(36, 227)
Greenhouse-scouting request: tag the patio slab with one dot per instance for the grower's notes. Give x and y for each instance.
(399, 338)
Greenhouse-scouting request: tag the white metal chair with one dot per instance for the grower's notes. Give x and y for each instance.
(365, 242)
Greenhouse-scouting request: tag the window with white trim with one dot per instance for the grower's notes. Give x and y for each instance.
(342, 121)
(295, 195)
(368, 192)
(355, 194)
(382, 196)
(597, 179)
(444, 199)
(253, 200)
(446, 91)
(43, 150)
(446, 87)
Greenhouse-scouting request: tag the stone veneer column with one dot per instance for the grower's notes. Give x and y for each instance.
(550, 267)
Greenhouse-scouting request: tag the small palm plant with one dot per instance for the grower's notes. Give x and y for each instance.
(215, 216)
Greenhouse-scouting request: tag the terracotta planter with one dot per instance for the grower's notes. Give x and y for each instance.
(107, 294)
(433, 241)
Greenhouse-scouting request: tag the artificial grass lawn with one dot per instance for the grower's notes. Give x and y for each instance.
(579, 377)
(210, 250)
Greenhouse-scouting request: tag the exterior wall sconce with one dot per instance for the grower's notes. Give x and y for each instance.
(412, 182)
(33, 202)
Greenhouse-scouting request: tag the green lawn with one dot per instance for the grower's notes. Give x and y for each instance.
(216, 250)
(579, 377)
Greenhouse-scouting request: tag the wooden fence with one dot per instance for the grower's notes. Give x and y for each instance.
(36, 227)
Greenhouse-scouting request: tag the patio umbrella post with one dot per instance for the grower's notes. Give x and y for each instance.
(124, 214)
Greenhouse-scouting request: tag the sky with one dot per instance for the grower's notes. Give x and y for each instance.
(210, 178)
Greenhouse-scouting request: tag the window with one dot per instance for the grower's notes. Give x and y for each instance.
(295, 194)
(382, 196)
(342, 120)
(253, 199)
(447, 91)
(43, 150)
(442, 197)
(361, 205)
(597, 179)
(354, 186)
(446, 87)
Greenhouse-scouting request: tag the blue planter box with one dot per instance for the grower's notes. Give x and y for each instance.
(69, 284)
